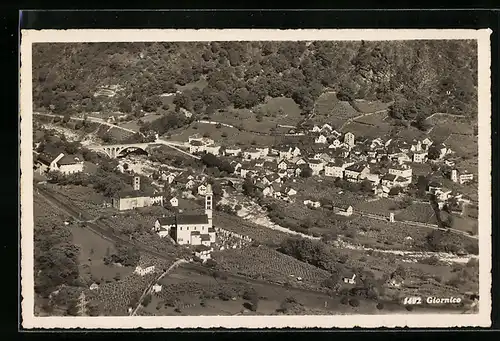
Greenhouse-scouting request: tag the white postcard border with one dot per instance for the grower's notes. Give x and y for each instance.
(482, 319)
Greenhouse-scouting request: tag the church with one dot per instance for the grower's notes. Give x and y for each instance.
(189, 229)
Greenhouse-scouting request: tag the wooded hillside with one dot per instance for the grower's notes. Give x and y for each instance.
(421, 77)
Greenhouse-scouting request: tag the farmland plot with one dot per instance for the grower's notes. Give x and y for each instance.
(364, 106)
(381, 206)
(267, 264)
(418, 212)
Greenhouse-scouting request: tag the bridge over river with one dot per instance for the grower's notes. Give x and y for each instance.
(115, 150)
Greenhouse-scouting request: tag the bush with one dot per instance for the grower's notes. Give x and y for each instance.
(354, 302)
(344, 300)
(380, 306)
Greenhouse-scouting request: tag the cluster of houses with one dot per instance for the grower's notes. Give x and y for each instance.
(333, 155)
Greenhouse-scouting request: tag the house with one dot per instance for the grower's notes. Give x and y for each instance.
(190, 184)
(401, 170)
(285, 173)
(443, 150)
(174, 202)
(443, 195)
(270, 178)
(316, 166)
(202, 190)
(381, 191)
(251, 154)
(52, 160)
(335, 144)
(299, 161)
(203, 252)
(267, 191)
(94, 286)
(283, 165)
(419, 156)
(434, 186)
(163, 225)
(335, 168)
(376, 143)
(349, 139)
(356, 171)
(315, 129)
(144, 271)
(190, 229)
(416, 146)
(233, 151)
(290, 191)
(461, 177)
(343, 209)
(130, 199)
(236, 165)
(326, 128)
(427, 142)
(289, 152)
(156, 288)
(392, 180)
(323, 157)
(212, 149)
(196, 146)
(264, 151)
(335, 134)
(312, 203)
(350, 279)
(270, 165)
(320, 139)
(373, 178)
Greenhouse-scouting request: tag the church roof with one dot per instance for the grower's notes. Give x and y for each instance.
(192, 219)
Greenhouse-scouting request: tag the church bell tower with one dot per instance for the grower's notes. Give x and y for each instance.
(209, 204)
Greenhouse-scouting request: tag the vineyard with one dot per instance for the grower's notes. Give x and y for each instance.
(116, 297)
(45, 216)
(267, 264)
(418, 212)
(260, 234)
(330, 110)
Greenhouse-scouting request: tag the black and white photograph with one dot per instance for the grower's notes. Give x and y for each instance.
(255, 178)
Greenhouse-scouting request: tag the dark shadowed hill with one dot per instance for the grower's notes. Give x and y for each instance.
(421, 77)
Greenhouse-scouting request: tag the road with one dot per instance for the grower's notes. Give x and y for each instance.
(150, 287)
(413, 223)
(175, 147)
(90, 119)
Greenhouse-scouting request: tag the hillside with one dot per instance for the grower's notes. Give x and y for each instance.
(420, 77)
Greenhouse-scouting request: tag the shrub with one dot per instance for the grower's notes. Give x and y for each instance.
(354, 302)
(344, 300)
(380, 306)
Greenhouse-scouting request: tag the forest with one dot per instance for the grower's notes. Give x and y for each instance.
(418, 77)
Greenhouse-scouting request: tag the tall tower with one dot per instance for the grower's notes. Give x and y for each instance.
(454, 175)
(349, 139)
(209, 204)
(137, 183)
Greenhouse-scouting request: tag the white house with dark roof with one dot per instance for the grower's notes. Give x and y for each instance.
(320, 139)
(343, 209)
(356, 171)
(54, 160)
(402, 170)
(335, 144)
(232, 151)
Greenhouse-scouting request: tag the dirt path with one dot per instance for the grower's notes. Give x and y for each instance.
(150, 286)
(361, 116)
(90, 119)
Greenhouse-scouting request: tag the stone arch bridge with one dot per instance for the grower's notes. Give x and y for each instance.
(115, 150)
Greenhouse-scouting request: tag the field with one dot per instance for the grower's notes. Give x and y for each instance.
(260, 234)
(93, 249)
(465, 224)
(222, 135)
(367, 130)
(380, 206)
(311, 188)
(330, 110)
(418, 212)
(188, 292)
(369, 106)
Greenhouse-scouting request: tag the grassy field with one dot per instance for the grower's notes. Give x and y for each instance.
(222, 135)
(332, 111)
(369, 106)
(367, 130)
(380, 206)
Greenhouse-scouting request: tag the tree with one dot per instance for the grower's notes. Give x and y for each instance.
(433, 153)
(146, 300)
(306, 172)
(125, 105)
